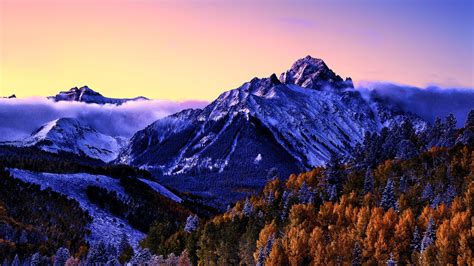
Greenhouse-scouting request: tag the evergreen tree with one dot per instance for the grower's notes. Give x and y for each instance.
(305, 194)
(113, 262)
(391, 261)
(403, 184)
(35, 259)
(449, 195)
(429, 235)
(428, 193)
(143, 256)
(334, 173)
(389, 199)
(470, 119)
(449, 136)
(97, 254)
(368, 181)
(62, 255)
(416, 240)
(248, 208)
(16, 261)
(192, 223)
(356, 255)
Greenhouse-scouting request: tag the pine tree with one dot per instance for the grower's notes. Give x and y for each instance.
(35, 259)
(248, 208)
(416, 240)
(113, 262)
(429, 235)
(123, 244)
(334, 173)
(403, 184)
(368, 181)
(192, 223)
(356, 255)
(62, 255)
(305, 195)
(449, 131)
(449, 195)
(16, 261)
(97, 254)
(391, 261)
(389, 199)
(142, 257)
(428, 193)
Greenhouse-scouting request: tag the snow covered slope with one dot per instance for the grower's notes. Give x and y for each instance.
(87, 95)
(105, 226)
(71, 135)
(292, 123)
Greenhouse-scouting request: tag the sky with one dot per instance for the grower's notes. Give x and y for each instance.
(181, 50)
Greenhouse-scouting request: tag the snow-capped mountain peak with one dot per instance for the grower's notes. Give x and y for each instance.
(74, 136)
(309, 72)
(289, 124)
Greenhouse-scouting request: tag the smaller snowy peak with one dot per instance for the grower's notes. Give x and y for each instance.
(313, 73)
(87, 95)
(71, 135)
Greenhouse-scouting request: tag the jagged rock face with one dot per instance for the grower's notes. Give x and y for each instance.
(313, 73)
(70, 135)
(266, 125)
(87, 95)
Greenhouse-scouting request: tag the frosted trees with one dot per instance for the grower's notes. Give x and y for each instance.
(264, 251)
(16, 261)
(388, 197)
(429, 236)
(248, 208)
(192, 223)
(416, 240)
(356, 255)
(97, 254)
(305, 194)
(142, 257)
(334, 174)
(368, 181)
(62, 255)
(35, 259)
(391, 261)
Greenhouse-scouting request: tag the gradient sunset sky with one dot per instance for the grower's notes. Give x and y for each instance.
(181, 50)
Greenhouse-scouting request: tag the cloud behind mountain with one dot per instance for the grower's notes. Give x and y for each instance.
(19, 117)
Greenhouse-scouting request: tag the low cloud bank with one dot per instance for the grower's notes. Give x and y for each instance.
(429, 103)
(20, 117)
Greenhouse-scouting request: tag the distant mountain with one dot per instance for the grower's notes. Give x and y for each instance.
(87, 95)
(265, 127)
(71, 135)
(13, 96)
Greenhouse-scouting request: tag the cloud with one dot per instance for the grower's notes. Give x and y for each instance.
(20, 117)
(428, 103)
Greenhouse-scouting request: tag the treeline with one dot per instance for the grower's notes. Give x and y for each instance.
(143, 206)
(34, 220)
(33, 159)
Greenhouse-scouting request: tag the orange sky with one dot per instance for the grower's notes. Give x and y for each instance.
(195, 50)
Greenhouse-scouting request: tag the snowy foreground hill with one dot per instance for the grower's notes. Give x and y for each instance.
(73, 136)
(266, 127)
(105, 226)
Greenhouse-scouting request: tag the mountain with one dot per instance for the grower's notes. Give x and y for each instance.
(266, 127)
(13, 96)
(71, 135)
(87, 95)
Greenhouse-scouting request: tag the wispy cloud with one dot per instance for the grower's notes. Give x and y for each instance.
(20, 117)
(429, 103)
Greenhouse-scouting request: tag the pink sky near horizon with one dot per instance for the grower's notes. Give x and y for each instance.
(198, 49)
